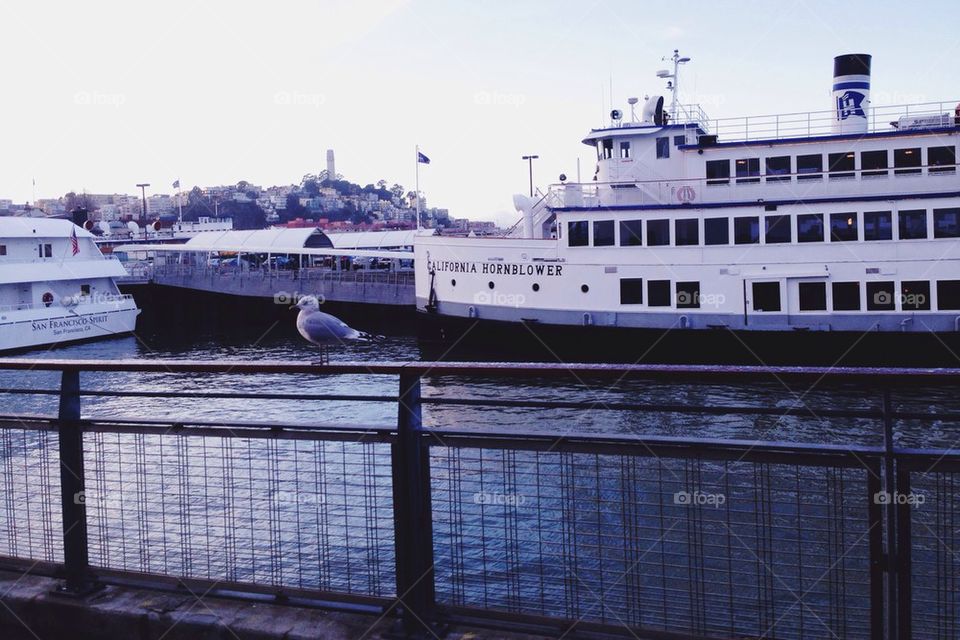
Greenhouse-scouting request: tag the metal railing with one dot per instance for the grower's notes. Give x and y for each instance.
(58, 259)
(820, 123)
(313, 274)
(893, 181)
(681, 537)
(71, 302)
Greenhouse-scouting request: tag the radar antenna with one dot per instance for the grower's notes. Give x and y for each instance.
(674, 84)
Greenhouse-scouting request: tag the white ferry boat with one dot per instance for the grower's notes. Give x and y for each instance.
(56, 286)
(828, 228)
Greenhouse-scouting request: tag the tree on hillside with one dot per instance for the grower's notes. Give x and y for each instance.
(294, 208)
(311, 187)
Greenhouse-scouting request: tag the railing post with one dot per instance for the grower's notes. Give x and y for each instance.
(904, 569)
(890, 512)
(79, 581)
(413, 519)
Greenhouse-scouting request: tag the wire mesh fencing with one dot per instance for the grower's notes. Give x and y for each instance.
(718, 548)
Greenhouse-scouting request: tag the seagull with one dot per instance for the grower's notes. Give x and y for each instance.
(323, 329)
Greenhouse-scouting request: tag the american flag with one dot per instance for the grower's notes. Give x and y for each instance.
(74, 243)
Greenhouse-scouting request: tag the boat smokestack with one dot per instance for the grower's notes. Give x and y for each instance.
(851, 92)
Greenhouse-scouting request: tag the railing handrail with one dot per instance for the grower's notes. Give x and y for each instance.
(84, 301)
(800, 124)
(762, 178)
(71, 259)
(894, 375)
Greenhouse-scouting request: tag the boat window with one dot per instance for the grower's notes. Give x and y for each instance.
(945, 223)
(913, 224)
(810, 227)
(605, 148)
(3, 249)
(625, 149)
(658, 233)
(687, 232)
(716, 231)
(813, 296)
(906, 161)
(747, 168)
(718, 172)
(663, 147)
(631, 290)
(578, 233)
(766, 296)
(777, 229)
(846, 296)
(809, 167)
(915, 295)
(877, 225)
(631, 234)
(658, 293)
(942, 159)
(746, 230)
(48, 251)
(778, 169)
(603, 233)
(688, 295)
(948, 295)
(84, 289)
(880, 296)
(873, 163)
(843, 227)
(679, 140)
(841, 165)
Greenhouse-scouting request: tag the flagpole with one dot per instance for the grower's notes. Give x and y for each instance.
(417, 187)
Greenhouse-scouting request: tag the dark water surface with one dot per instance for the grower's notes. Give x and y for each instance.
(276, 340)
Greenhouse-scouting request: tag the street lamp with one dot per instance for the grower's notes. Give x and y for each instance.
(143, 190)
(530, 160)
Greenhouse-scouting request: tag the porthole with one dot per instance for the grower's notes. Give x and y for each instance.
(490, 284)
(584, 288)
(536, 286)
(453, 282)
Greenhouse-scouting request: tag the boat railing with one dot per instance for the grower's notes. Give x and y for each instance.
(162, 272)
(70, 259)
(893, 181)
(692, 114)
(811, 124)
(686, 114)
(70, 302)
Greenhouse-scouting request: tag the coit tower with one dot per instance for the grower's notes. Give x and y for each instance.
(331, 166)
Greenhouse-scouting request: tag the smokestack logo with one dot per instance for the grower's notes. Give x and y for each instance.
(850, 104)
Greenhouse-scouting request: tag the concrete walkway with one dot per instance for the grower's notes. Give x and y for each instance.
(28, 611)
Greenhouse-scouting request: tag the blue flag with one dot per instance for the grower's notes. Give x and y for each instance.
(422, 158)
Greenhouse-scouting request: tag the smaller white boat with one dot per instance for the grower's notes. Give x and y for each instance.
(56, 286)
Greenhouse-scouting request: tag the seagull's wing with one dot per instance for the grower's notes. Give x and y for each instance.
(322, 327)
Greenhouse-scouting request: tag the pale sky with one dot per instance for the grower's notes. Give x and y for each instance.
(101, 95)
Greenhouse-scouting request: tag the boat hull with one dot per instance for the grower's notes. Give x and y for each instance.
(451, 337)
(24, 330)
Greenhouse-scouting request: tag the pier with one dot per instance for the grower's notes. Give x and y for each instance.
(386, 288)
(280, 264)
(434, 527)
